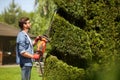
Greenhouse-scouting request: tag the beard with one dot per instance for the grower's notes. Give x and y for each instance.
(29, 28)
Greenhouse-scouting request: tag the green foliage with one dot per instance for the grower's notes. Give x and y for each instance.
(10, 14)
(1, 18)
(73, 11)
(42, 17)
(97, 45)
(74, 8)
(101, 19)
(13, 13)
(58, 70)
(70, 43)
(97, 22)
(100, 72)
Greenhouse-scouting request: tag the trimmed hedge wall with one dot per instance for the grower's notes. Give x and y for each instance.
(58, 70)
(69, 43)
(85, 34)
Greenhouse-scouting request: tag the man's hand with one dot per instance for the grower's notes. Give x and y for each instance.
(37, 38)
(36, 56)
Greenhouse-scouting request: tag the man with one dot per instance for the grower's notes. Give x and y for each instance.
(24, 48)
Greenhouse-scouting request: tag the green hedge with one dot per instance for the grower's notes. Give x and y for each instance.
(99, 19)
(73, 11)
(74, 8)
(85, 29)
(58, 70)
(70, 43)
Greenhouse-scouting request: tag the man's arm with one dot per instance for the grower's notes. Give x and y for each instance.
(25, 54)
(34, 56)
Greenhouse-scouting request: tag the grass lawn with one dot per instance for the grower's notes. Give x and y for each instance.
(14, 73)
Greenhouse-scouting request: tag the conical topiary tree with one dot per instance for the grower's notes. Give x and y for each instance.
(86, 30)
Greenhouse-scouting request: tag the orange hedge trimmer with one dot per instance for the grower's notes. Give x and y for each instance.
(41, 46)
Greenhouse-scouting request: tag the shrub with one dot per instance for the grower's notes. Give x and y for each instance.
(58, 70)
(69, 43)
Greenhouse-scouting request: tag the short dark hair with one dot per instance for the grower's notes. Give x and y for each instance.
(22, 21)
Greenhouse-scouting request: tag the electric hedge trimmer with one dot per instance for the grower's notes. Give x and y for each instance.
(41, 46)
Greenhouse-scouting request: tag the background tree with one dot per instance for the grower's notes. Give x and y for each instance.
(12, 14)
(42, 16)
(1, 18)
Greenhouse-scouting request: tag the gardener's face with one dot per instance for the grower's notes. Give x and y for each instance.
(28, 24)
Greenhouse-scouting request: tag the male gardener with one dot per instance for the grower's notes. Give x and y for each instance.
(24, 48)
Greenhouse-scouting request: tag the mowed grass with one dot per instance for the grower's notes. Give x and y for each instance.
(14, 73)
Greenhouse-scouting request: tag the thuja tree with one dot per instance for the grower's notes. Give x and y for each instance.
(58, 70)
(85, 29)
(70, 43)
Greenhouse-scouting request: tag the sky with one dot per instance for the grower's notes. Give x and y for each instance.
(27, 5)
